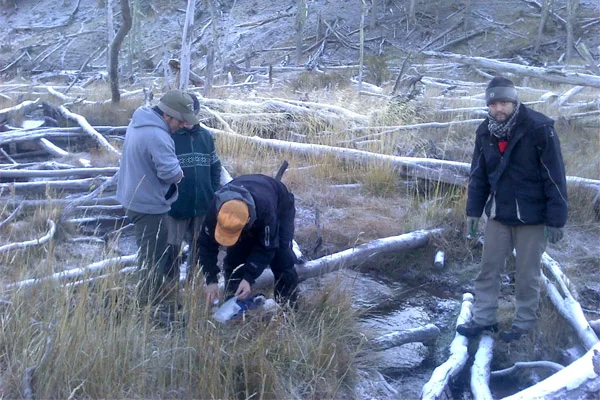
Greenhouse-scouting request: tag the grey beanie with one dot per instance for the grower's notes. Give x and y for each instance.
(501, 89)
(178, 105)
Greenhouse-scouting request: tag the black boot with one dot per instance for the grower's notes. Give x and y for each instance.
(471, 329)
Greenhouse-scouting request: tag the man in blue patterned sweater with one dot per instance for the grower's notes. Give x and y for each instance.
(198, 158)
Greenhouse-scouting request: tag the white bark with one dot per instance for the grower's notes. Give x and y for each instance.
(564, 98)
(76, 272)
(12, 216)
(551, 75)
(29, 243)
(186, 45)
(571, 377)
(425, 334)
(354, 256)
(438, 261)
(88, 129)
(52, 148)
(34, 173)
(40, 186)
(530, 364)
(459, 354)
(571, 311)
(480, 372)
(407, 166)
(567, 306)
(21, 107)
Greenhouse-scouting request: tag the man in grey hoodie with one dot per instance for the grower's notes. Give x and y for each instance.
(148, 176)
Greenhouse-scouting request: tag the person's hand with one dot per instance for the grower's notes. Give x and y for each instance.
(212, 293)
(553, 234)
(472, 223)
(243, 290)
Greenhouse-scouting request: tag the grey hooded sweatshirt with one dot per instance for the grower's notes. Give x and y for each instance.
(148, 162)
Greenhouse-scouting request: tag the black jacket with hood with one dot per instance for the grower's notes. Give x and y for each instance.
(270, 228)
(527, 184)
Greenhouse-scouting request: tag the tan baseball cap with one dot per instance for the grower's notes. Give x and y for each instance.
(178, 105)
(231, 220)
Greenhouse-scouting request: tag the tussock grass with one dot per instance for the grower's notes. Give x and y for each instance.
(98, 344)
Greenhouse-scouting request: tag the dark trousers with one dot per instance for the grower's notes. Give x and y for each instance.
(154, 261)
(282, 266)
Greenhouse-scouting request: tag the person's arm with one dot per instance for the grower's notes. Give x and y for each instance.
(215, 168)
(479, 186)
(162, 152)
(554, 178)
(208, 248)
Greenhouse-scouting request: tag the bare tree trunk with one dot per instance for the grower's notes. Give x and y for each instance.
(545, 13)
(362, 47)
(467, 15)
(300, 20)
(114, 51)
(320, 29)
(210, 72)
(412, 14)
(571, 17)
(186, 46)
(215, 35)
(374, 6)
(110, 28)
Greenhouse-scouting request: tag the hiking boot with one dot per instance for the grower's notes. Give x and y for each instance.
(471, 329)
(513, 334)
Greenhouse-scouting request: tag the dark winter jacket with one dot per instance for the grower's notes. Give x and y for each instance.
(271, 224)
(201, 167)
(527, 184)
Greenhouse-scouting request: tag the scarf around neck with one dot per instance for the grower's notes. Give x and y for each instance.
(502, 129)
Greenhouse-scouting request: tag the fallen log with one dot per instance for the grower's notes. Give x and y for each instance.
(426, 334)
(51, 148)
(11, 216)
(459, 354)
(77, 185)
(407, 166)
(547, 74)
(528, 364)
(559, 385)
(54, 202)
(480, 371)
(71, 273)
(22, 108)
(29, 243)
(354, 256)
(30, 173)
(567, 306)
(89, 129)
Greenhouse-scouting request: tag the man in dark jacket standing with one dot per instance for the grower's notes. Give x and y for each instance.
(148, 176)
(198, 158)
(518, 177)
(253, 217)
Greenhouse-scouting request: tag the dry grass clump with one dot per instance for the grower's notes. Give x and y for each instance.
(91, 341)
(310, 80)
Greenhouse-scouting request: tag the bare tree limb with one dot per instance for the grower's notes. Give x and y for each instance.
(459, 354)
(551, 75)
(29, 243)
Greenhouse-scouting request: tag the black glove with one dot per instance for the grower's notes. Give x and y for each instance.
(554, 234)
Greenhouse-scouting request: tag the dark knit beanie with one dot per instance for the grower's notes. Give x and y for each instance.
(501, 89)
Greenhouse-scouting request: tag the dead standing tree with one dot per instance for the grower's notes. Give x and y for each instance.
(571, 20)
(186, 45)
(301, 15)
(115, 46)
